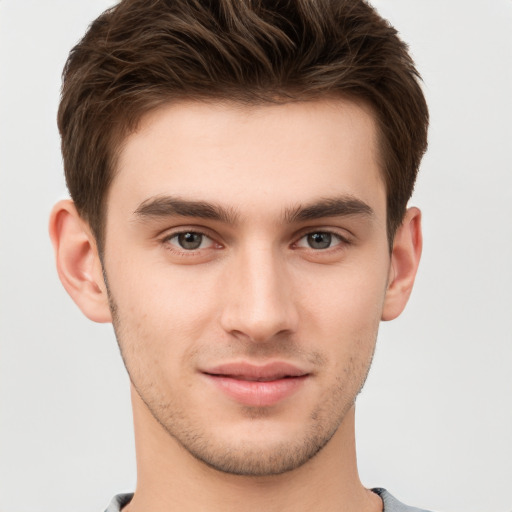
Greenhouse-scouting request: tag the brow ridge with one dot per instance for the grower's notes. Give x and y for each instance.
(329, 207)
(165, 206)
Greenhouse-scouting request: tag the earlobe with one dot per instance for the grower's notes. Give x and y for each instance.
(78, 262)
(405, 259)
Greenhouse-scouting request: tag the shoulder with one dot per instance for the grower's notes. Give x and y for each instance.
(118, 502)
(391, 504)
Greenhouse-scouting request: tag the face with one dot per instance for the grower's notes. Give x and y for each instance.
(247, 263)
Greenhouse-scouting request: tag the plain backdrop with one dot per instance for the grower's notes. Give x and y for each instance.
(434, 422)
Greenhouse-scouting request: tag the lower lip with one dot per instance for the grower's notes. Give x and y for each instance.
(257, 393)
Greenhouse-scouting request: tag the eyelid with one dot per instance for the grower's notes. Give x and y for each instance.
(204, 240)
(335, 241)
(344, 238)
(169, 232)
(165, 239)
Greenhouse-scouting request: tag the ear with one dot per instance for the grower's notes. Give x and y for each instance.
(405, 259)
(78, 262)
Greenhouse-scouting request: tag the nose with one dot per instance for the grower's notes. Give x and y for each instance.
(258, 297)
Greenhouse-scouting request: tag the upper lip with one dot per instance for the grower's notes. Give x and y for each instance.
(256, 372)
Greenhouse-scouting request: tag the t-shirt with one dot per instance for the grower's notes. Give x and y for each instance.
(391, 504)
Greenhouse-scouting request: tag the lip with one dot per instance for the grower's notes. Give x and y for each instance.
(257, 385)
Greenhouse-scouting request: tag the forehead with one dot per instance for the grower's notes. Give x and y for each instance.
(263, 157)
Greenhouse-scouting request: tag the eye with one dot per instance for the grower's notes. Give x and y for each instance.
(319, 240)
(190, 240)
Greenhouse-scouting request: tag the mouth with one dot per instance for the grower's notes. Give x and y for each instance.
(254, 379)
(257, 385)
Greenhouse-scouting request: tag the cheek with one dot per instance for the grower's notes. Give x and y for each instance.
(350, 295)
(160, 310)
(344, 311)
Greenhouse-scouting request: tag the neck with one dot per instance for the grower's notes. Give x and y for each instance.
(170, 478)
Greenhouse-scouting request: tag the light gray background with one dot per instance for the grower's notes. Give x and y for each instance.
(435, 419)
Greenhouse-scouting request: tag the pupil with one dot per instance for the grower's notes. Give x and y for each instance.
(319, 240)
(190, 240)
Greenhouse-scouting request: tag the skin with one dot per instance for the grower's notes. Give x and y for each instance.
(287, 207)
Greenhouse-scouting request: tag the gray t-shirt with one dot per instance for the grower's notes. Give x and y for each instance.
(391, 504)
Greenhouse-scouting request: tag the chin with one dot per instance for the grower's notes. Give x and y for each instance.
(259, 445)
(258, 460)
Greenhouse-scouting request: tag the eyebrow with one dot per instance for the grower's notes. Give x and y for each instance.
(343, 206)
(168, 206)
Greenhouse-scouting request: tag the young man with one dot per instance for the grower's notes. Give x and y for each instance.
(240, 172)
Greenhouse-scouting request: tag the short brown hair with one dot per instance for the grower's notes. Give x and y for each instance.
(143, 53)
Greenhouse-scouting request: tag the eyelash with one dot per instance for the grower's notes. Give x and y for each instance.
(342, 242)
(182, 251)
